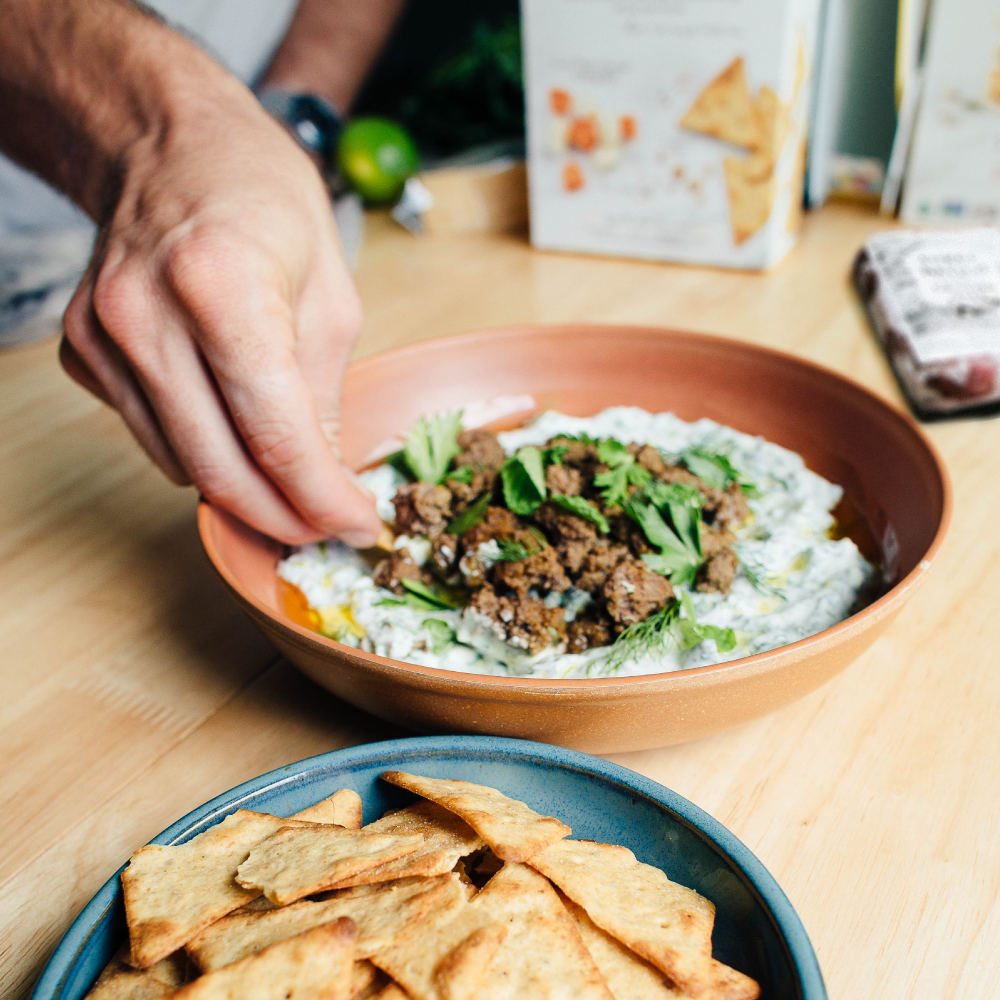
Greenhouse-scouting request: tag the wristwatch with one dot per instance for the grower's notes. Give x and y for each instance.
(311, 119)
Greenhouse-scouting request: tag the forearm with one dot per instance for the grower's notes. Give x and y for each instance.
(83, 83)
(330, 46)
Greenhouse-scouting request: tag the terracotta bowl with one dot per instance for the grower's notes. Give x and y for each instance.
(897, 491)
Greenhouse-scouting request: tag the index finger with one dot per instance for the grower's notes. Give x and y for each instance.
(243, 323)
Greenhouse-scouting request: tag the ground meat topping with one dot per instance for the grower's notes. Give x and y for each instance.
(392, 571)
(542, 572)
(598, 564)
(727, 508)
(717, 574)
(566, 558)
(480, 449)
(587, 633)
(524, 622)
(563, 479)
(633, 592)
(463, 494)
(422, 509)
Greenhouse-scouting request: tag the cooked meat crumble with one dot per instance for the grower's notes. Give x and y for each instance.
(518, 569)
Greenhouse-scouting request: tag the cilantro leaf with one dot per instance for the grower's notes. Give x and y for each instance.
(398, 461)
(441, 634)
(523, 481)
(471, 516)
(554, 455)
(582, 508)
(715, 470)
(624, 472)
(680, 546)
(431, 444)
(612, 452)
(463, 474)
(690, 634)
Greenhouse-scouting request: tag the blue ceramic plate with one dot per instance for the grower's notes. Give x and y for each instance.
(756, 929)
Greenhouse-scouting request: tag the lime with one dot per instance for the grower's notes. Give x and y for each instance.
(376, 156)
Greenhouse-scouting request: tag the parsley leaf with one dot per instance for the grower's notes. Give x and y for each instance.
(690, 634)
(582, 508)
(624, 472)
(463, 474)
(471, 516)
(714, 469)
(554, 455)
(431, 444)
(440, 632)
(680, 546)
(523, 481)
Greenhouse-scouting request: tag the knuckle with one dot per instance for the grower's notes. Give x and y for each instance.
(275, 445)
(119, 300)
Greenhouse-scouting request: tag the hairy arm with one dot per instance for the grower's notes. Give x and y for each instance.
(217, 313)
(329, 47)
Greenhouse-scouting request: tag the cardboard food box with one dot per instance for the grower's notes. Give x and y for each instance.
(953, 174)
(668, 129)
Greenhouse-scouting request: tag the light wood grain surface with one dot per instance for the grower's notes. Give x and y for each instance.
(132, 690)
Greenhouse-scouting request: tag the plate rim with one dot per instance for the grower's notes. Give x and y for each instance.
(783, 915)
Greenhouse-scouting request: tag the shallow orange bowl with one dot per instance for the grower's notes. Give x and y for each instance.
(889, 471)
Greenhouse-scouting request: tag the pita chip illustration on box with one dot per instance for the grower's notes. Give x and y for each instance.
(673, 132)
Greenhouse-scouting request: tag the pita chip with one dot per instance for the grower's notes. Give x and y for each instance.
(773, 125)
(446, 839)
(392, 992)
(752, 190)
(301, 860)
(378, 916)
(543, 954)
(171, 893)
(366, 980)
(445, 955)
(120, 981)
(316, 965)
(725, 110)
(628, 976)
(511, 829)
(343, 808)
(667, 924)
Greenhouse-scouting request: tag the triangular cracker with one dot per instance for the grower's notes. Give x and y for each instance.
(366, 980)
(628, 976)
(446, 839)
(300, 860)
(445, 955)
(120, 981)
(773, 125)
(752, 190)
(392, 992)
(378, 916)
(667, 924)
(343, 808)
(512, 830)
(171, 893)
(543, 954)
(316, 965)
(724, 109)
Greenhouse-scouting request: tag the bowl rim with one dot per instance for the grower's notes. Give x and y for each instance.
(785, 919)
(889, 602)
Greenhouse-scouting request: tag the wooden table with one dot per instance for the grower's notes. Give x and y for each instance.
(132, 690)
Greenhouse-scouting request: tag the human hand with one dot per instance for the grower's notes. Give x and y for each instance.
(217, 316)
